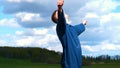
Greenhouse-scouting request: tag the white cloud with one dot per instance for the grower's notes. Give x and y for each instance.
(19, 32)
(24, 41)
(91, 15)
(37, 1)
(32, 32)
(39, 38)
(14, 0)
(102, 6)
(40, 32)
(9, 22)
(48, 40)
(108, 5)
(24, 16)
(2, 43)
(110, 18)
(57, 48)
(102, 47)
(18, 1)
(32, 20)
(98, 7)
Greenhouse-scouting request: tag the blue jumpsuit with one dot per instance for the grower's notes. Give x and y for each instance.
(68, 36)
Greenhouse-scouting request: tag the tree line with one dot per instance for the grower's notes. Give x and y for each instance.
(87, 60)
(42, 55)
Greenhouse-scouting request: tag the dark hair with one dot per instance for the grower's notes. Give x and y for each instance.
(53, 17)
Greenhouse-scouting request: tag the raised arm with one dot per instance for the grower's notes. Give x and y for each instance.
(61, 25)
(60, 3)
(61, 18)
(80, 27)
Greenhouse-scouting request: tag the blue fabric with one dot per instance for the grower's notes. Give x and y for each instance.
(68, 36)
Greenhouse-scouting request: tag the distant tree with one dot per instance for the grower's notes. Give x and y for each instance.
(42, 55)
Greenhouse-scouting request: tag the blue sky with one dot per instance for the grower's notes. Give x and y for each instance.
(27, 23)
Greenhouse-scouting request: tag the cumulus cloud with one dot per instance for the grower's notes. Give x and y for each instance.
(2, 42)
(102, 22)
(99, 6)
(9, 22)
(110, 19)
(43, 8)
(33, 38)
(91, 15)
(19, 0)
(38, 6)
(30, 13)
(101, 49)
(24, 41)
(32, 32)
(31, 20)
(15, 6)
(29, 17)
(38, 38)
(57, 48)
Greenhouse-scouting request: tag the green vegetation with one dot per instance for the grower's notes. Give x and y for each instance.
(15, 63)
(37, 55)
(11, 57)
(103, 59)
(103, 66)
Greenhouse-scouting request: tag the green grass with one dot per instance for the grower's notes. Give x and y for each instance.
(103, 66)
(15, 63)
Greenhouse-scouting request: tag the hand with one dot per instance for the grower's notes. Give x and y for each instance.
(84, 22)
(60, 4)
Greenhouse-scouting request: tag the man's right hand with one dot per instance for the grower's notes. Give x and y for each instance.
(60, 3)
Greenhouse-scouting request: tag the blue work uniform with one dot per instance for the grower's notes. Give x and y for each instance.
(68, 36)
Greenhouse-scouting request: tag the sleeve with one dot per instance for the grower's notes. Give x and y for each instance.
(61, 18)
(79, 28)
(61, 25)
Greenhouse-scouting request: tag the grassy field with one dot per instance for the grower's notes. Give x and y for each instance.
(13, 63)
(103, 66)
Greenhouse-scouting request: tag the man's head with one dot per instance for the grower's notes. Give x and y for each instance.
(55, 16)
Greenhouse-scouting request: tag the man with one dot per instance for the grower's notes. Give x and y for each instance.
(68, 36)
